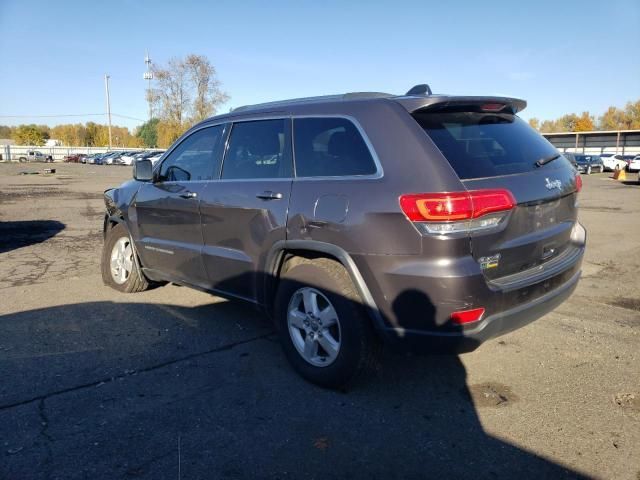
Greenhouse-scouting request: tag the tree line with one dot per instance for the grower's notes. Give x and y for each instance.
(186, 91)
(627, 118)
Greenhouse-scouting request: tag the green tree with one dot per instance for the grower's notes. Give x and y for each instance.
(613, 119)
(632, 112)
(535, 123)
(148, 132)
(29, 135)
(5, 132)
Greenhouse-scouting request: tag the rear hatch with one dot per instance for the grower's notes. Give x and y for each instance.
(492, 149)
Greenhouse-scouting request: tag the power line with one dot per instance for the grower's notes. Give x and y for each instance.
(73, 115)
(53, 116)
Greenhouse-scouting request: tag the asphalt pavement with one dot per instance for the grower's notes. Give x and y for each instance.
(178, 384)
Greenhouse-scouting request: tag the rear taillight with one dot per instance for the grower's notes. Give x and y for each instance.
(578, 183)
(467, 316)
(457, 211)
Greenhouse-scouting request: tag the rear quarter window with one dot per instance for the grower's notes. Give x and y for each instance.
(330, 147)
(479, 145)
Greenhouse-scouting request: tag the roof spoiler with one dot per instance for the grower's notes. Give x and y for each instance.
(433, 103)
(422, 89)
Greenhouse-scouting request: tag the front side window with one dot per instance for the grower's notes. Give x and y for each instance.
(258, 149)
(197, 157)
(330, 147)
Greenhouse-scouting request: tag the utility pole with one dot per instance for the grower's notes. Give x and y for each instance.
(106, 87)
(148, 75)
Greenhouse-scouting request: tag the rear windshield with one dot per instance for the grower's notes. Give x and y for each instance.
(479, 145)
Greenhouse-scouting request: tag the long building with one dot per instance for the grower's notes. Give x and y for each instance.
(624, 142)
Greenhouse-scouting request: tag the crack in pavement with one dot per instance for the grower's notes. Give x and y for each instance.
(44, 427)
(105, 380)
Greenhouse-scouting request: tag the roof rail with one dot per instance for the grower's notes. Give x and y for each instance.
(323, 98)
(422, 89)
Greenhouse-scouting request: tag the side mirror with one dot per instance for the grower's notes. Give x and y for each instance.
(143, 170)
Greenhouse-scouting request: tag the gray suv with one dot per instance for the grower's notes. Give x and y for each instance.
(426, 222)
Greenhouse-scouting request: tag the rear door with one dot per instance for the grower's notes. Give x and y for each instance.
(245, 212)
(167, 209)
(500, 151)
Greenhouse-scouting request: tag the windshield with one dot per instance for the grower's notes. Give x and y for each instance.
(479, 145)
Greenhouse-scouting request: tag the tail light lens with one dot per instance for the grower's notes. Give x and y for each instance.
(457, 211)
(578, 183)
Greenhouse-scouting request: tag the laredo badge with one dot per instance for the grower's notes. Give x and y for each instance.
(489, 262)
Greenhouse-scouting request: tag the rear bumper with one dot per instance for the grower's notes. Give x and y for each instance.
(490, 327)
(416, 297)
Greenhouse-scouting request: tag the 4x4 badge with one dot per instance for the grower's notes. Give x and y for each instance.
(551, 184)
(489, 262)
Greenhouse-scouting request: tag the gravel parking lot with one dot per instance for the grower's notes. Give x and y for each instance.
(175, 383)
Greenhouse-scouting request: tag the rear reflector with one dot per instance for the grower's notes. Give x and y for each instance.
(455, 206)
(578, 183)
(467, 316)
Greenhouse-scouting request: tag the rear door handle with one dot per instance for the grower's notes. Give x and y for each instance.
(189, 195)
(269, 195)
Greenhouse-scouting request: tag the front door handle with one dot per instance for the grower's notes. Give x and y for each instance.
(269, 195)
(189, 195)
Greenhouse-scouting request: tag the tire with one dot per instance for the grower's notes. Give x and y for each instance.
(126, 275)
(589, 170)
(357, 346)
(22, 159)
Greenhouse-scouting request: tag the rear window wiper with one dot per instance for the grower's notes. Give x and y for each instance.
(545, 160)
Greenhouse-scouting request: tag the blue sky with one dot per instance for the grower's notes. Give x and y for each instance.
(561, 56)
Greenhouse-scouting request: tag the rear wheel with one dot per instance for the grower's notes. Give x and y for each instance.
(120, 269)
(324, 330)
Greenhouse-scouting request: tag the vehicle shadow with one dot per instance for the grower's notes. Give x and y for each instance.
(140, 390)
(18, 234)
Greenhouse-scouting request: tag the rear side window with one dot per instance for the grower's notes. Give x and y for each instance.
(330, 147)
(479, 145)
(258, 149)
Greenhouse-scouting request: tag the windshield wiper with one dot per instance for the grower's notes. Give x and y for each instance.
(545, 160)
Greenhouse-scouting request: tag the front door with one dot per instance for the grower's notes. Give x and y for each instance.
(245, 212)
(167, 209)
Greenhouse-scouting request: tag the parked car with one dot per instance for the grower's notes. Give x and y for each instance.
(74, 158)
(586, 163)
(110, 157)
(155, 157)
(430, 222)
(613, 161)
(35, 156)
(127, 158)
(634, 164)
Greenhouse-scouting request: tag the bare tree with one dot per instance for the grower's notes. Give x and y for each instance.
(187, 91)
(172, 92)
(207, 93)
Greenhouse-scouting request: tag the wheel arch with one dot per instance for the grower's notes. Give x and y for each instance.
(285, 250)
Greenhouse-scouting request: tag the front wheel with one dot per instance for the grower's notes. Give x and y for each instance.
(323, 327)
(120, 269)
(589, 170)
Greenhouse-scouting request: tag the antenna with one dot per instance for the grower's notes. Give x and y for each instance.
(148, 75)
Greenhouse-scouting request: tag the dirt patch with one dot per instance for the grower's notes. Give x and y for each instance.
(628, 401)
(492, 394)
(601, 209)
(628, 303)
